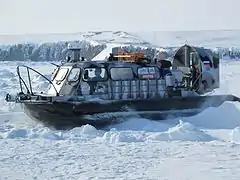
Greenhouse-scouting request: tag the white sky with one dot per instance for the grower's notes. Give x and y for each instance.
(52, 16)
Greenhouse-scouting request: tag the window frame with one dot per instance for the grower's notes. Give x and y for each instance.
(100, 80)
(128, 79)
(80, 70)
(64, 77)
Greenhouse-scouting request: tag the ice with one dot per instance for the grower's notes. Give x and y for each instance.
(17, 133)
(122, 136)
(54, 136)
(235, 135)
(182, 132)
(85, 132)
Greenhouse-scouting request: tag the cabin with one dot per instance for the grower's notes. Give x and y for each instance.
(109, 80)
(131, 75)
(121, 76)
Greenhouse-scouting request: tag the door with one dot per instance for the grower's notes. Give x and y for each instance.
(72, 86)
(59, 80)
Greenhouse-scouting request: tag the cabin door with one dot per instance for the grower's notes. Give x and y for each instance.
(71, 86)
(59, 80)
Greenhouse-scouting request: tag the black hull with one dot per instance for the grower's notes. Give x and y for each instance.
(65, 115)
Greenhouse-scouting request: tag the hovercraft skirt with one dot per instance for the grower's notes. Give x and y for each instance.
(62, 115)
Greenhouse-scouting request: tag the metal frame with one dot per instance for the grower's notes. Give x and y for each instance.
(29, 90)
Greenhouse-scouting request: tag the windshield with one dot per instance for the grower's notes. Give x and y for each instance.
(61, 74)
(95, 74)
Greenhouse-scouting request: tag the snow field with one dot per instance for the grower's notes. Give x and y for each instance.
(205, 146)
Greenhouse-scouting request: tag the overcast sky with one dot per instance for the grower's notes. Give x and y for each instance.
(52, 16)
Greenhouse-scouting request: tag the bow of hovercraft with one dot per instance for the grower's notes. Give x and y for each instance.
(100, 93)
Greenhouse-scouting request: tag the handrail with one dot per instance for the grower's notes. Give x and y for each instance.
(21, 79)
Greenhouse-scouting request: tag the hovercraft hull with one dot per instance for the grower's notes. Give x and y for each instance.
(69, 114)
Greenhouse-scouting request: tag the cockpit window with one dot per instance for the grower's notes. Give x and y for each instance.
(74, 75)
(61, 75)
(148, 73)
(55, 71)
(122, 73)
(95, 74)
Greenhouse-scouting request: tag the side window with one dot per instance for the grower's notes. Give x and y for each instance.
(120, 73)
(74, 75)
(95, 74)
(61, 75)
(148, 73)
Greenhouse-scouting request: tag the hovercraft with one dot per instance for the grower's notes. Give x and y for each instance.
(101, 92)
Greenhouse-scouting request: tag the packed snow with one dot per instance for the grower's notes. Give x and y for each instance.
(205, 146)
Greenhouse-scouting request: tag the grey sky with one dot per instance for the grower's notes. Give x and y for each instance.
(51, 16)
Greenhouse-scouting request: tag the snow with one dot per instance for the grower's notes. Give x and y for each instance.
(207, 38)
(205, 146)
(105, 53)
(119, 37)
(94, 37)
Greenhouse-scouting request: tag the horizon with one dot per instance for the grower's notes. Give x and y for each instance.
(58, 16)
(130, 32)
(208, 38)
